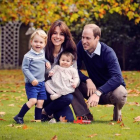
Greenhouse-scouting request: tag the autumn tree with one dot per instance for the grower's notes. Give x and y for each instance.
(42, 13)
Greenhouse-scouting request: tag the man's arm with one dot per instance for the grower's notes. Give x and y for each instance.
(114, 71)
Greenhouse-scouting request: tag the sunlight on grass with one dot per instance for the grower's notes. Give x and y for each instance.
(12, 97)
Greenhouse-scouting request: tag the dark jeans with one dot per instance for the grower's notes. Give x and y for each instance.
(59, 107)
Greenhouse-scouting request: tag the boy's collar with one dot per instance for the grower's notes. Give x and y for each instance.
(36, 52)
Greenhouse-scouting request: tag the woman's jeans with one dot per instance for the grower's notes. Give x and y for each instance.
(59, 107)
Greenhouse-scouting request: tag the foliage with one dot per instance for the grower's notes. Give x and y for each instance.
(123, 36)
(12, 97)
(73, 12)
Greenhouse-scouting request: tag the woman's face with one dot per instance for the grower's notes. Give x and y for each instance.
(57, 37)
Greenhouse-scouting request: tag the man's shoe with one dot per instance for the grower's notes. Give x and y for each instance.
(117, 114)
(88, 116)
(19, 120)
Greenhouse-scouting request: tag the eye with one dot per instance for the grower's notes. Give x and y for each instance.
(54, 32)
(62, 34)
(88, 38)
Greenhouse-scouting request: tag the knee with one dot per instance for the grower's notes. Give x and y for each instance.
(69, 98)
(121, 97)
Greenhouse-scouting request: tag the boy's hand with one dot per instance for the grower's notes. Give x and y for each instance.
(48, 65)
(34, 82)
(50, 74)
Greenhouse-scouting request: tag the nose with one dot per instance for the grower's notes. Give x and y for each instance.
(58, 35)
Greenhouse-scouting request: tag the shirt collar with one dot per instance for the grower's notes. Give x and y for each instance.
(96, 51)
(56, 58)
(37, 52)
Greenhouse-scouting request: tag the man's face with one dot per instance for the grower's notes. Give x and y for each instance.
(89, 42)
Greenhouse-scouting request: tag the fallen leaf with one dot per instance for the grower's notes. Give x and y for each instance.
(2, 119)
(2, 114)
(19, 126)
(11, 105)
(122, 124)
(54, 138)
(62, 119)
(109, 105)
(137, 119)
(112, 123)
(103, 116)
(24, 127)
(93, 135)
(125, 128)
(117, 134)
(118, 121)
(11, 125)
(35, 120)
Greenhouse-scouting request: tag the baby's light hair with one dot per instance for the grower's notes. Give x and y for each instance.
(41, 33)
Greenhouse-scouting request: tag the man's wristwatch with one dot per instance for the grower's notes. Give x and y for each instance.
(98, 93)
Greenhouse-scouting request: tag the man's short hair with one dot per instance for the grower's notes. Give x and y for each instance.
(96, 29)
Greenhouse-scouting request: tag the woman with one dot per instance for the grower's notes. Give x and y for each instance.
(59, 39)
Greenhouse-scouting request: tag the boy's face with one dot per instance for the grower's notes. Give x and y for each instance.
(38, 43)
(65, 61)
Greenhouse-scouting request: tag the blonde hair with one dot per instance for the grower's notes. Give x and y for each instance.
(41, 33)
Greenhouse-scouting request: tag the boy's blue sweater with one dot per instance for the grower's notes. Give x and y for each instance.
(103, 70)
(33, 66)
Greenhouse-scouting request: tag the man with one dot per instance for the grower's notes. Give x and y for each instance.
(105, 84)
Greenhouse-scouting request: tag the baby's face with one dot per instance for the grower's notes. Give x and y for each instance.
(65, 61)
(38, 43)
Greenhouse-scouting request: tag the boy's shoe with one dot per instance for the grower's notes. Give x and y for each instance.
(19, 120)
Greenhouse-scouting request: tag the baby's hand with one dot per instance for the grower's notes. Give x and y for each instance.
(73, 85)
(48, 65)
(34, 82)
(50, 74)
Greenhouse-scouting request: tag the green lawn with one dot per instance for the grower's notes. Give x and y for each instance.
(12, 97)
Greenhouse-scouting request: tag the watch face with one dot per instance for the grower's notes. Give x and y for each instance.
(98, 93)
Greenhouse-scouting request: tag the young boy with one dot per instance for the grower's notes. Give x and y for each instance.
(33, 67)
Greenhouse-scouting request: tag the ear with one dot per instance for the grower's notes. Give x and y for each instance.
(98, 38)
(30, 41)
(72, 63)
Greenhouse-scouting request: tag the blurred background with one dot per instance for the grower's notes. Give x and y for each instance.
(119, 21)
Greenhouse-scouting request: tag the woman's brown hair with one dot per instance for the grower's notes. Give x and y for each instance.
(68, 44)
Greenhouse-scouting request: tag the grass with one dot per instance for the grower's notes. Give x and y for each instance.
(12, 97)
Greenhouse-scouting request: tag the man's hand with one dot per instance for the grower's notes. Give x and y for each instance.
(34, 82)
(90, 87)
(93, 100)
(48, 65)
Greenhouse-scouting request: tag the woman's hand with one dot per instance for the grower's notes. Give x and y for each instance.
(48, 65)
(90, 87)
